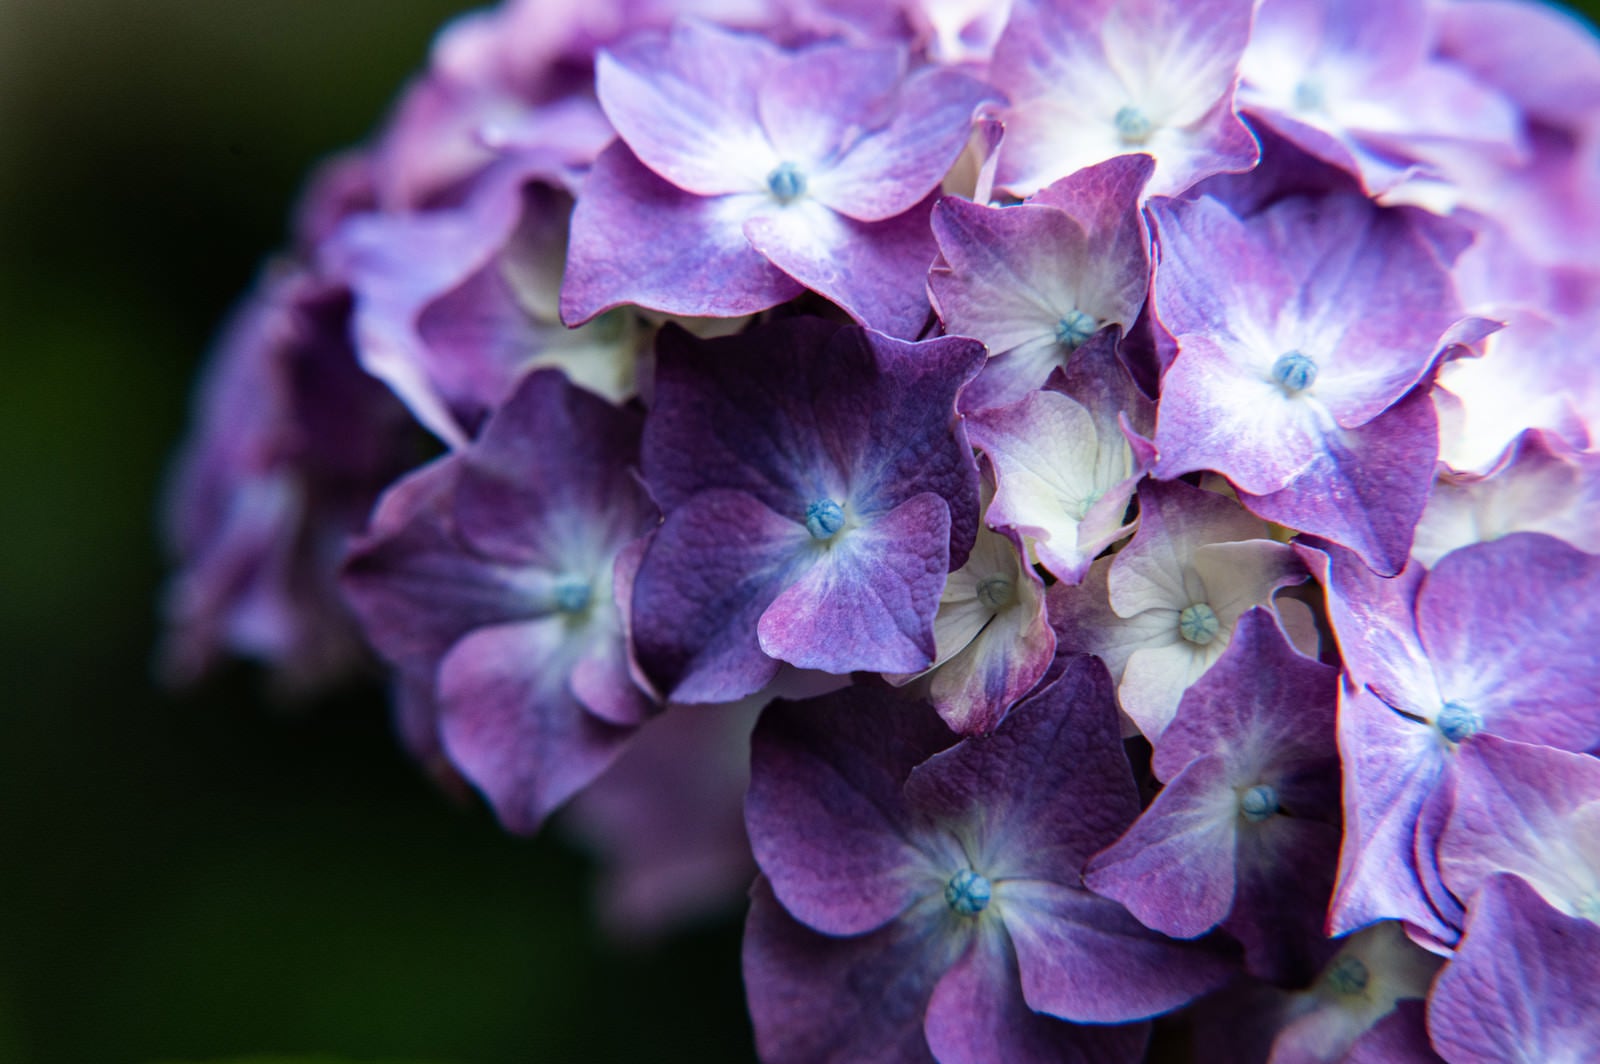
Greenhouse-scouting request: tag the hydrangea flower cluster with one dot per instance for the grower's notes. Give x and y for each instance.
(1093, 505)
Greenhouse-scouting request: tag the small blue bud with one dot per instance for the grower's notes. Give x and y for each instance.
(1294, 372)
(1198, 624)
(1457, 722)
(571, 593)
(996, 592)
(1074, 329)
(1347, 975)
(824, 518)
(786, 183)
(1133, 125)
(1308, 96)
(967, 893)
(1259, 802)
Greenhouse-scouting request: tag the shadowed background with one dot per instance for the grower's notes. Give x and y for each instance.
(213, 876)
(222, 874)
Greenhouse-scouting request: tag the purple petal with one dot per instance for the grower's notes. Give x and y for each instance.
(638, 239)
(512, 727)
(1174, 869)
(827, 821)
(977, 1015)
(1084, 958)
(813, 997)
(1399, 1038)
(1286, 867)
(523, 500)
(874, 270)
(711, 570)
(685, 102)
(1049, 787)
(1522, 986)
(1520, 808)
(1391, 765)
(1509, 627)
(1366, 488)
(867, 603)
(874, 169)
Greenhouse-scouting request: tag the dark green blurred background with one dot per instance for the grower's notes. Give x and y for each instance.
(209, 877)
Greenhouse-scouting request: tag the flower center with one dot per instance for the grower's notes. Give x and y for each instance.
(824, 518)
(1457, 722)
(1074, 330)
(1294, 371)
(786, 183)
(967, 893)
(1348, 975)
(1259, 802)
(996, 592)
(571, 593)
(1198, 624)
(1133, 125)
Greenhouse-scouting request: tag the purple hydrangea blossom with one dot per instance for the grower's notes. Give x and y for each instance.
(292, 445)
(490, 573)
(1522, 985)
(1091, 80)
(1245, 832)
(750, 192)
(1037, 281)
(1492, 641)
(1162, 611)
(945, 912)
(455, 305)
(817, 487)
(1354, 84)
(1067, 459)
(1300, 331)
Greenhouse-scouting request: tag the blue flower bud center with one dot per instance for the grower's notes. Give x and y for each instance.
(1198, 624)
(967, 893)
(1294, 371)
(1348, 975)
(1457, 722)
(1074, 329)
(571, 593)
(1308, 96)
(824, 518)
(1133, 125)
(1259, 802)
(786, 183)
(996, 592)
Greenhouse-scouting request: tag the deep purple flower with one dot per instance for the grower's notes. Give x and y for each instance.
(917, 900)
(1300, 332)
(489, 573)
(1037, 281)
(817, 487)
(1494, 640)
(1091, 80)
(749, 187)
(1245, 832)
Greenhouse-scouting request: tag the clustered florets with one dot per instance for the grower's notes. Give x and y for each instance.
(1091, 503)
